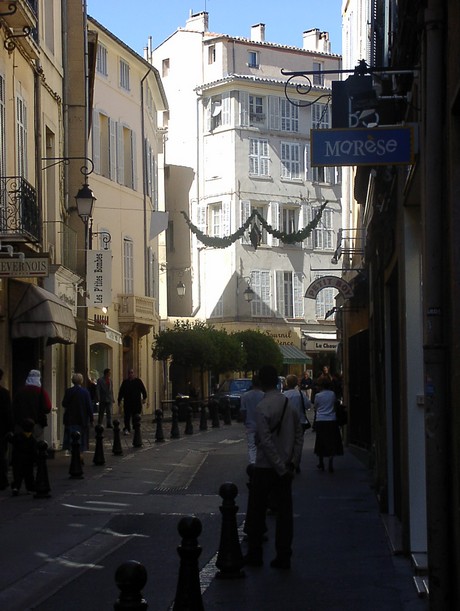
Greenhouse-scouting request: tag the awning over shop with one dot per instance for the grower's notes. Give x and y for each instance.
(292, 355)
(321, 336)
(36, 312)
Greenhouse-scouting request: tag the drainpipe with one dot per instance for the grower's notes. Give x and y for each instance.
(435, 350)
(144, 194)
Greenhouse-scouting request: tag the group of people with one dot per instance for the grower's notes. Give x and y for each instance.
(275, 425)
(23, 419)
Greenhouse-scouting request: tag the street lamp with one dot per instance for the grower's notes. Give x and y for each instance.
(85, 203)
(248, 293)
(180, 288)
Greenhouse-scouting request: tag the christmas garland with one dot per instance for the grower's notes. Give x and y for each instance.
(286, 238)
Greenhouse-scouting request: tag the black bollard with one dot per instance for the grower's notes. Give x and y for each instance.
(188, 593)
(99, 458)
(137, 437)
(175, 433)
(131, 577)
(227, 410)
(42, 484)
(188, 421)
(229, 557)
(117, 450)
(76, 468)
(159, 436)
(203, 418)
(214, 409)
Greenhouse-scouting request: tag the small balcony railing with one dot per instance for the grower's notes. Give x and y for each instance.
(19, 213)
(350, 245)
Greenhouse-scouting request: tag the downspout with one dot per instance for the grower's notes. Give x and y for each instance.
(65, 102)
(438, 404)
(85, 43)
(144, 194)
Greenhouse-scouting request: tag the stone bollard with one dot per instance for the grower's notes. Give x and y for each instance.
(188, 593)
(42, 484)
(76, 468)
(137, 437)
(214, 409)
(159, 436)
(117, 450)
(203, 417)
(227, 411)
(188, 421)
(98, 458)
(131, 577)
(175, 433)
(229, 557)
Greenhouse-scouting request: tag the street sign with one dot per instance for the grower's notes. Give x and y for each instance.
(355, 147)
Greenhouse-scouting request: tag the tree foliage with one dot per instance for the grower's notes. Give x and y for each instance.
(260, 349)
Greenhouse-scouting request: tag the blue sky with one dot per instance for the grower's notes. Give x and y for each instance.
(133, 22)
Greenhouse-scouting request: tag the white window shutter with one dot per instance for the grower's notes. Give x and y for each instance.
(226, 105)
(298, 295)
(244, 108)
(274, 112)
(201, 219)
(226, 220)
(279, 294)
(245, 213)
(307, 217)
(307, 163)
(274, 221)
(96, 129)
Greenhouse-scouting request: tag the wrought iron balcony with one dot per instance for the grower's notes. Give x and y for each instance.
(350, 245)
(19, 213)
(21, 18)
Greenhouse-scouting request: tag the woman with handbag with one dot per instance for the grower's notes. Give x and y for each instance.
(328, 438)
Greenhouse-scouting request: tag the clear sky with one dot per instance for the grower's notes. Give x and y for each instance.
(133, 22)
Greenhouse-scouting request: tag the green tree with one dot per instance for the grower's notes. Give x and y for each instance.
(259, 349)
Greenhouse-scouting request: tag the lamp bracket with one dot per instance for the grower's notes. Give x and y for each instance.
(86, 169)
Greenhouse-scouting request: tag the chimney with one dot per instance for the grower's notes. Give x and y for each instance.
(314, 40)
(198, 22)
(258, 32)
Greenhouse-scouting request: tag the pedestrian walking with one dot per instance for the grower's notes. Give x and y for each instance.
(279, 439)
(249, 401)
(78, 413)
(32, 402)
(104, 395)
(133, 394)
(24, 457)
(6, 426)
(328, 441)
(298, 401)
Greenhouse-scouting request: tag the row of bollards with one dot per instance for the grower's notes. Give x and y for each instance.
(131, 576)
(42, 486)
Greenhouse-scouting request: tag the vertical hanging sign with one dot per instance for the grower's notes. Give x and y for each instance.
(99, 278)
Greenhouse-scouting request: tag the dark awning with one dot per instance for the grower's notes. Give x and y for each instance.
(36, 312)
(292, 355)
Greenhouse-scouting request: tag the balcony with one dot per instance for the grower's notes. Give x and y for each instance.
(19, 213)
(21, 17)
(137, 312)
(350, 245)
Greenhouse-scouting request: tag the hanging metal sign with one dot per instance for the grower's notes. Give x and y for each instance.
(360, 146)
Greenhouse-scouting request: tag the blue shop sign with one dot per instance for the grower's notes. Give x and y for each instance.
(360, 146)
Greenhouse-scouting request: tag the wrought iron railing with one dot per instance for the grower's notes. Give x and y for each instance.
(19, 213)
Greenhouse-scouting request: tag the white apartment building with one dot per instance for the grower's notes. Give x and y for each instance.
(236, 145)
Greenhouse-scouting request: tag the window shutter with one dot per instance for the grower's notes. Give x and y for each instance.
(133, 160)
(307, 217)
(307, 163)
(226, 220)
(280, 294)
(244, 108)
(201, 217)
(96, 128)
(274, 221)
(120, 156)
(274, 112)
(298, 295)
(112, 149)
(226, 106)
(245, 213)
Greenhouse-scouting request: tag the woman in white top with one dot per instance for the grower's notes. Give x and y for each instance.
(328, 438)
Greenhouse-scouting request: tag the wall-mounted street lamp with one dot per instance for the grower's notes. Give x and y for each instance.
(84, 200)
(180, 288)
(248, 293)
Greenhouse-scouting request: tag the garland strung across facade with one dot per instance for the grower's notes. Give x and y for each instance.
(255, 234)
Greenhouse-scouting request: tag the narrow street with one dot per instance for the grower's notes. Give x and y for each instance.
(63, 551)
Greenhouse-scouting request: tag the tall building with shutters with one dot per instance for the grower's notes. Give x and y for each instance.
(235, 145)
